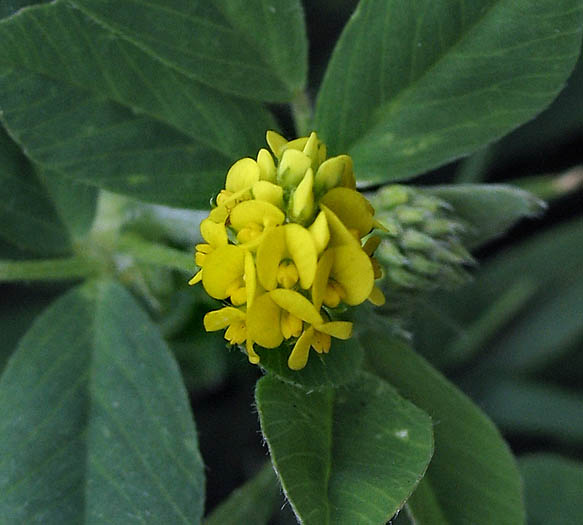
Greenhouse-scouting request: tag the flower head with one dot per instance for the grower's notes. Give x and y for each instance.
(287, 243)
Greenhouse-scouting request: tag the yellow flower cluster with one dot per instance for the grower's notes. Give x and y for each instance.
(285, 245)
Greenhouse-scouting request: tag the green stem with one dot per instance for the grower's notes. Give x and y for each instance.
(549, 187)
(152, 253)
(48, 269)
(302, 113)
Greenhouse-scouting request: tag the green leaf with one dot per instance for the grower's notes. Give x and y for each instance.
(97, 142)
(254, 502)
(86, 103)
(18, 314)
(94, 421)
(489, 209)
(557, 124)
(402, 518)
(553, 487)
(412, 85)
(253, 48)
(341, 365)
(60, 43)
(424, 507)
(9, 8)
(349, 455)
(454, 326)
(474, 336)
(28, 218)
(475, 167)
(547, 329)
(203, 361)
(527, 407)
(472, 475)
(75, 202)
(538, 258)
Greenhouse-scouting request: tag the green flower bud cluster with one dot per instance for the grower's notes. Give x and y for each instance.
(422, 247)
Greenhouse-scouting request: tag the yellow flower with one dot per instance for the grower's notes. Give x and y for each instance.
(294, 253)
(294, 245)
(215, 235)
(234, 320)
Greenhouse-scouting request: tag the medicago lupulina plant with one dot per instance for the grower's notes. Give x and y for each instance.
(315, 257)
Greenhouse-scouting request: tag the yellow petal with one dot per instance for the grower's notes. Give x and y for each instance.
(250, 278)
(296, 304)
(377, 297)
(348, 180)
(333, 294)
(236, 333)
(321, 342)
(269, 255)
(337, 329)
(311, 148)
(303, 198)
(297, 144)
(251, 354)
(291, 326)
(263, 322)
(222, 267)
(276, 142)
(220, 319)
(196, 279)
(241, 175)
(320, 232)
(351, 208)
(259, 212)
(200, 256)
(229, 200)
(292, 167)
(353, 270)
(321, 278)
(214, 233)
(300, 245)
(330, 173)
(268, 192)
(287, 274)
(238, 295)
(339, 234)
(299, 356)
(251, 231)
(254, 243)
(266, 165)
(219, 214)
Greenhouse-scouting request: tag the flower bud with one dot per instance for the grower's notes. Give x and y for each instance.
(393, 195)
(420, 247)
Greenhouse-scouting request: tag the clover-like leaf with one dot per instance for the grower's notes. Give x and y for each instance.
(94, 421)
(412, 85)
(347, 455)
